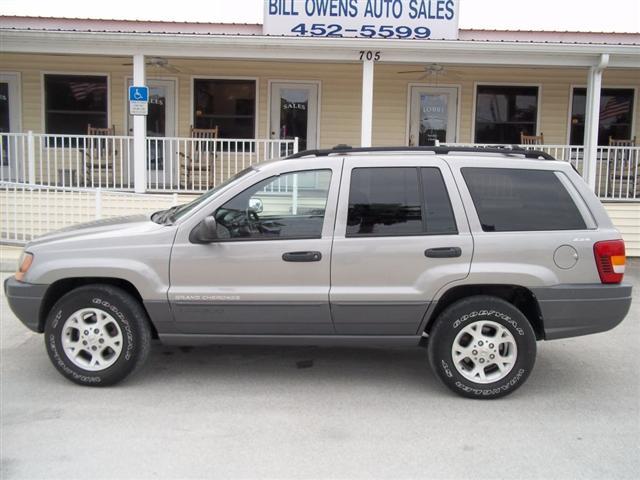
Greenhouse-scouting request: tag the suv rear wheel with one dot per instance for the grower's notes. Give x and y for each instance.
(482, 347)
(97, 335)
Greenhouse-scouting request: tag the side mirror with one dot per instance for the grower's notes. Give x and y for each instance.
(255, 205)
(205, 231)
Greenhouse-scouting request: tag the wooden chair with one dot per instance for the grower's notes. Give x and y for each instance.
(100, 156)
(197, 162)
(531, 139)
(622, 175)
(622, 143)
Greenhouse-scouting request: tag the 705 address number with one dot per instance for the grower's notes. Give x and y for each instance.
(366, 31)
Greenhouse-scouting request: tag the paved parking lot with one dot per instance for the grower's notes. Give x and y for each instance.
(248, 412)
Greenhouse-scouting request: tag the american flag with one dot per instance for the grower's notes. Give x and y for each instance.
(614, 107)
(81, 90)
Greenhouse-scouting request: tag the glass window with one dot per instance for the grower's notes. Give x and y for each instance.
(509, 200)
(384, 201)
(4, 123)
(504, 112)
(229, 105)
(72, 102)
(439, 217)
(616, 112)
(283, 207)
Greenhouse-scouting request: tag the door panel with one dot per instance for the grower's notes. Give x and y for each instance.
(244, 284)
(384, 284)
(294, 113)
(433, 115)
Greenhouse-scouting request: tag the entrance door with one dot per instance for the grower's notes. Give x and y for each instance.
(294, 113)
(10, 123)
(160, 123)
(433, 115)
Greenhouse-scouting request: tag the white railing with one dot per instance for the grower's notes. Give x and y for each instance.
(617, 168)
(92, 161)
(195, 165)
(29, 211)
(87, 161)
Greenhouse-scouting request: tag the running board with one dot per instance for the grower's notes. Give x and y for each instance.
(311, 340)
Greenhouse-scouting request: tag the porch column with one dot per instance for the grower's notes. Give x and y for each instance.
(367, 103)
(592, 121)
(139, 132)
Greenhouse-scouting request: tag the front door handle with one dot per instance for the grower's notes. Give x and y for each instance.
(445, 252)
(302, 256)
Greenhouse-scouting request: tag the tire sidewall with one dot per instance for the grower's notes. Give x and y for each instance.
(467, 312)
(107, 301)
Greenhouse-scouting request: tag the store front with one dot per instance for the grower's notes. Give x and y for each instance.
(259, 97)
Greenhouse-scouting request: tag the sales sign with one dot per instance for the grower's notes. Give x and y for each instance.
(414, 19)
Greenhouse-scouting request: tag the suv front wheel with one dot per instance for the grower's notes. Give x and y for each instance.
(97, 335)
(482, 347)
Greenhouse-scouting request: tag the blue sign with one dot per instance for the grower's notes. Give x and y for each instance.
(138, 94)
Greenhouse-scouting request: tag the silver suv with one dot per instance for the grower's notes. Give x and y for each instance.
(475, 253)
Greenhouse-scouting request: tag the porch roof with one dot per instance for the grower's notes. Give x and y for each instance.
(245, 41)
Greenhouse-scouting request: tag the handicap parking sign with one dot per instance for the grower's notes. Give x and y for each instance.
(138, 100)
(138, 94)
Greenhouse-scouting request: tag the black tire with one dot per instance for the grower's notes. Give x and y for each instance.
(465, 313)
(124, 309)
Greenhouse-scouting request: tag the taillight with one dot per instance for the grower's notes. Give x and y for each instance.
(610, 258)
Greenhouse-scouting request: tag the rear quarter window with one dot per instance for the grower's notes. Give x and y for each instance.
(511, 200)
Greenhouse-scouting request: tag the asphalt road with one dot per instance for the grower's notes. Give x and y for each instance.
(256, 412)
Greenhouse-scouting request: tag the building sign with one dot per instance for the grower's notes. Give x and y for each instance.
(138, 100)
(417, 19)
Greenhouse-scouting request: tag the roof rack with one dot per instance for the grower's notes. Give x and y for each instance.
(503, 150)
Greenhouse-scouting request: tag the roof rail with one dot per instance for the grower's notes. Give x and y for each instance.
(503, 150)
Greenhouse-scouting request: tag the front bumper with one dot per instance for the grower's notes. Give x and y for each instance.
(25, 299)
(582, 309)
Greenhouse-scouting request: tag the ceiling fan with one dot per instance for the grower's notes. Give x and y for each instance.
(159, 62)
(432, 71)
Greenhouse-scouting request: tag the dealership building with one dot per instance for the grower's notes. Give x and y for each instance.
(224, 96)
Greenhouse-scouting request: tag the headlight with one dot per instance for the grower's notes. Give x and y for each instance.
(26, 259)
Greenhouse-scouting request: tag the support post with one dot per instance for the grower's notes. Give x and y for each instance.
(366, 134)
(592, 121)
(139, 132)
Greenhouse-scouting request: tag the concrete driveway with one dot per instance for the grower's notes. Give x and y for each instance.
(249, 412)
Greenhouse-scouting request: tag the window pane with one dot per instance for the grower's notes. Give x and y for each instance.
(521, 200)
(287, 206)
(503, 112)
(72, 102)
(616, 113)
(384, 201)
(227, 104)
(438, 211)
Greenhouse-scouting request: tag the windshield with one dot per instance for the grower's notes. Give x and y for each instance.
(174, 213)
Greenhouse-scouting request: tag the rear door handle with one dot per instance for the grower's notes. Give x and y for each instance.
(302, 256)
(444, 252)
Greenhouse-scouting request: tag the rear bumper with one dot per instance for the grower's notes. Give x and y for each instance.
(582, 309)
(25, 299)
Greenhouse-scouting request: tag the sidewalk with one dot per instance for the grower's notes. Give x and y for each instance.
(9, 255)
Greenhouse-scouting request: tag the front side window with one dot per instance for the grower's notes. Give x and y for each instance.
(287, 206)
(73, 102)
(398, 201)
(512, 200)
(504, 112)
(229, 105)
(616, 113)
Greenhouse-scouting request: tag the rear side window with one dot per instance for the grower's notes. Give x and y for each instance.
(389, 201)
(510, 200)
